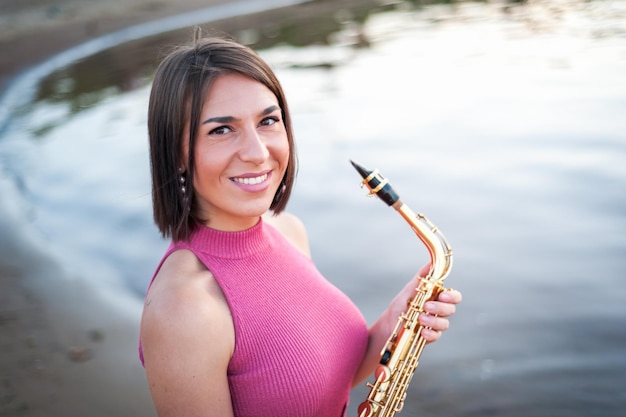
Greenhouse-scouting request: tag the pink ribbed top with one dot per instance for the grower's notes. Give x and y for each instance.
(298, 339)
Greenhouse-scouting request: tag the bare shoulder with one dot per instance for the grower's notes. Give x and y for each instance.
(186, 300)
(292, 228)
(187, 335)
(182, 283)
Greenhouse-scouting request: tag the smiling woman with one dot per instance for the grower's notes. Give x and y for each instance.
(222, 330)
(241, 154)
(244, 116)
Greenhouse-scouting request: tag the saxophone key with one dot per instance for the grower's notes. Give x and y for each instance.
(364, 409)
(382, 374)
(385, 357)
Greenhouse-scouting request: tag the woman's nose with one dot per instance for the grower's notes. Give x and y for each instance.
(253, 147)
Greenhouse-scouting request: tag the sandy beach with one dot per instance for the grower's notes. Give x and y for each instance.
(67, 349)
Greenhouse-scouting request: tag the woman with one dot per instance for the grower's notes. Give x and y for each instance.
(237, 320)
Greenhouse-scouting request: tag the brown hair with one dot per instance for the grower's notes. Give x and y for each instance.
(176, 99)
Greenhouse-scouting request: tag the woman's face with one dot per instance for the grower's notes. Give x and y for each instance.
(241, 152)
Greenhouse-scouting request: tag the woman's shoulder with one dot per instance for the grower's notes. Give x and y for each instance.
(187, 338)
(183, 278)
(292, 228)
(185, 294)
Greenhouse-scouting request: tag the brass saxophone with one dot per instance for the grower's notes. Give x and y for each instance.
(400, 356)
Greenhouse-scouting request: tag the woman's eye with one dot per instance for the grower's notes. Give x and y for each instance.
(222, 130)
(268, 121)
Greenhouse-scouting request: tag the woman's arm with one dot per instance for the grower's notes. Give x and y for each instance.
(187, 339)
(436, 317)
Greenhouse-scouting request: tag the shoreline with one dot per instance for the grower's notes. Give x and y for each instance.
(67, 23)
(70, 23)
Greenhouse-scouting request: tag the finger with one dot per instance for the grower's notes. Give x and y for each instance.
(430, 335)
(435, 323)
(450, 296)
(439, 308)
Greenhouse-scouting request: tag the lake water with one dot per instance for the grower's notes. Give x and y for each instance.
(506, 128)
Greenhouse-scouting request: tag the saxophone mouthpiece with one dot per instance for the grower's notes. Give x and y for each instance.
(377, 184)
(364, 172)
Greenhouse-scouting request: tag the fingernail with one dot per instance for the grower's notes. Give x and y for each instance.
(445, 296)
(429, 334)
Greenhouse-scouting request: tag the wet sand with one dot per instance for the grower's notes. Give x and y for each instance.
(34, 30)
(67, 349)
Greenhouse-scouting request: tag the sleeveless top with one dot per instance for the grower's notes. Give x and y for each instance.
(298, 339)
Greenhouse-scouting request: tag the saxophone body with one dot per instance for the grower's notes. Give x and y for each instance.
(401, 353)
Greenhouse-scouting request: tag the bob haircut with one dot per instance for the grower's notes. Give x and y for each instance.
(178, 91)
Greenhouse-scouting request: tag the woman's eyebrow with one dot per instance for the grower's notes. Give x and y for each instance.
(270, 109)
(219, 119)
(230, 119)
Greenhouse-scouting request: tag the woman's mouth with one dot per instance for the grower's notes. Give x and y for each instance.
(250, 180)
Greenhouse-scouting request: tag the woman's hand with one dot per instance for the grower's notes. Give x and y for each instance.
(437, 312)
(435, 319)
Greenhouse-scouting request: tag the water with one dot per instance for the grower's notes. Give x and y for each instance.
(505, 129)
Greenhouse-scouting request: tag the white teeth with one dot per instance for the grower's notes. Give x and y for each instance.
(254, 180)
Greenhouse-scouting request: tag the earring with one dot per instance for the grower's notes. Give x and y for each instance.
(182, 178)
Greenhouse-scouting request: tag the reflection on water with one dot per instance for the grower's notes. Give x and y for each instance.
(503, 125)
(94, 78)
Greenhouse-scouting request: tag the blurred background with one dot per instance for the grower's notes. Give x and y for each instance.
(503, 122)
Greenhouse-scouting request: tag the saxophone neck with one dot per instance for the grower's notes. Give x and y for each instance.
(435, 242)
(438, 248)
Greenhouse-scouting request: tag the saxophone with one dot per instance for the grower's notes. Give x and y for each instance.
(400, 355)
